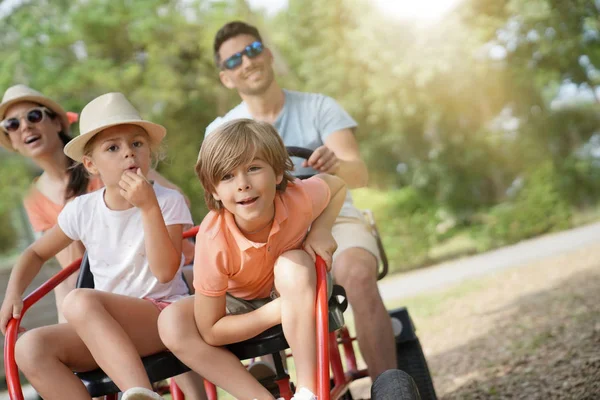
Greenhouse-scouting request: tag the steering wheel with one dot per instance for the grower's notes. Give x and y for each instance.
(300, 152)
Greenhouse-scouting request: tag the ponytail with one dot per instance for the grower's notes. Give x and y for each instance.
(78, 177)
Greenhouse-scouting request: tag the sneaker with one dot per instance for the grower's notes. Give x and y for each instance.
(140, 393)
(304, 394)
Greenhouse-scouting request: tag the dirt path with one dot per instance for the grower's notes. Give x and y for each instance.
(526, 333)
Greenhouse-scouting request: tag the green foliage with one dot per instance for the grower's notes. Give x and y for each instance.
(538, 208)
(442, 125)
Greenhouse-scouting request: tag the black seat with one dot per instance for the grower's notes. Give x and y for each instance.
(158, 366)
(164, 365)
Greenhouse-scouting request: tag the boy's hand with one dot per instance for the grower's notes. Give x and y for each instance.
(11, 308)
(137, 190)
(320, 242)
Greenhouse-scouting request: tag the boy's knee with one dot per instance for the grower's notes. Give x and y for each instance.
(169, 327)
(294, 270)
(78, 304)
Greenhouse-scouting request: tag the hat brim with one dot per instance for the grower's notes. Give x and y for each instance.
(44, 101)
(75, 148)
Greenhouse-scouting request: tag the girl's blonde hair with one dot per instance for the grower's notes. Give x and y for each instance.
(236, 143)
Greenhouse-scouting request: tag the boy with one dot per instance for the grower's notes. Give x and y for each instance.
(254, 246)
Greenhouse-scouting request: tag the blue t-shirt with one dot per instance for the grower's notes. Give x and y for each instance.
(306, 120)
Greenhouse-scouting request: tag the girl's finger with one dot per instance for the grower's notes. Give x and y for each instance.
(311, 253)
(16, 314)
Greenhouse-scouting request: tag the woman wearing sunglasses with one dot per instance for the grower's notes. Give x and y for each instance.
(37, 127)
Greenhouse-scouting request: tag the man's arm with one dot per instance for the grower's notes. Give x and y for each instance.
(340, 156)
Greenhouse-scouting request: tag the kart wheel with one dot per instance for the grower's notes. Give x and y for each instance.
(394, 384)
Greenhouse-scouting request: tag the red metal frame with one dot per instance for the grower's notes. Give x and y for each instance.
(327, 343)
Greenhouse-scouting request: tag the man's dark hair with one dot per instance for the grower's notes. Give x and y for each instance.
(230, 30)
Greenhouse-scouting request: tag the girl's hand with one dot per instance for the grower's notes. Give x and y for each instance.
(137, 190)
(320, 242)
(11, 308)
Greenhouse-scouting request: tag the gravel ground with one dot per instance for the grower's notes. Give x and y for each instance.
(526, 333)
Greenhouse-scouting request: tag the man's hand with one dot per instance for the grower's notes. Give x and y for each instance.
(323, 160)
(320, 242)
(137, 190)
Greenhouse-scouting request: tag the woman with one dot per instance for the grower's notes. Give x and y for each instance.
(37, 127)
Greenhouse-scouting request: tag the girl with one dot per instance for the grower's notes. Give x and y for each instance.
(132, 231)
(37, 128)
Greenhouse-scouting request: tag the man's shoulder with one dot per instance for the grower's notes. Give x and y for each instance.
(239, 111)
(306, 98)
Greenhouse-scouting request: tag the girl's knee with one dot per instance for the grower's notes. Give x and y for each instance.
(78, 304)
(30, 349)
(294, 271)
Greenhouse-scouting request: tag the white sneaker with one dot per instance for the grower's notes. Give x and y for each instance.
(304, 394)
(140, 393)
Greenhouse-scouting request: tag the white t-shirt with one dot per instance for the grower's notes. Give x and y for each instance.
(114, 241)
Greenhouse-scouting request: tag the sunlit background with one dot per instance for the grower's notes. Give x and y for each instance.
(478, 119)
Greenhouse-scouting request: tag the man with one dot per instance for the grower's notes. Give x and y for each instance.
(317, 122)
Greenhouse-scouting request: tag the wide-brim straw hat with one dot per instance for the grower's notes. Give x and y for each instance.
(103, 112)
(21, 93)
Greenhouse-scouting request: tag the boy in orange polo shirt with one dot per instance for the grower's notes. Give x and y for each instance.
(254, 246)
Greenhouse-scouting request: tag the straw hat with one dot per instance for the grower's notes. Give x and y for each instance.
(22, 93)
(108, 110)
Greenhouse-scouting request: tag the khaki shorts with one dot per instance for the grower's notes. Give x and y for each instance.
(235, 305)
(351, 232)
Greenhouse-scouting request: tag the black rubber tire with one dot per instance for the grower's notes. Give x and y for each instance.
(394, 384)
(412, 361)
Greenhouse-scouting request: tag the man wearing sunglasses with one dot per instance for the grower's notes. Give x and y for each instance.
(317, 122)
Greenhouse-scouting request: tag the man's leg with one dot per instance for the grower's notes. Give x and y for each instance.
(356, 270)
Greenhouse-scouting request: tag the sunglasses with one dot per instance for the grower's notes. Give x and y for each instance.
(33, 116)
(251, 51)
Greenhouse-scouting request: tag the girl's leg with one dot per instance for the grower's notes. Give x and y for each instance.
(178, 331)
(296, 280)
(48, 355)
(117, 330)
(60, 292)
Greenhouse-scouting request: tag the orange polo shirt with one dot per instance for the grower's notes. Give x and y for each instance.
(226, 261)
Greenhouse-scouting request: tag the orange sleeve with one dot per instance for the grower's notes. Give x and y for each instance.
(95, 184)
(318, 192)
(211, 276)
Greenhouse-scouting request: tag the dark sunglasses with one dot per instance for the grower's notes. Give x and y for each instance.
(33, 116)
(251, 51)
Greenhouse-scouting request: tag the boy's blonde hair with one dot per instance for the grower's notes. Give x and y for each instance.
(236, 143)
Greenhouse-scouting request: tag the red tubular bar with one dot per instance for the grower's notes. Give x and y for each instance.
(211, 390)
(10, 366)
(13, 382)
(339, 378)
(346, 340)
(322, 332)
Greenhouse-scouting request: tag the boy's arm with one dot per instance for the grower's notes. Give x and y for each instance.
(27, 267)
(319, 241)
(337, 188)
(219, 329)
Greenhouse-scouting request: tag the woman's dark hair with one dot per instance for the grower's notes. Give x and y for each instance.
(78, 176)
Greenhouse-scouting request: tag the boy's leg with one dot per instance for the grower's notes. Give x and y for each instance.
(178, 331)
(192, 385)
(117, 330)
(295, 280)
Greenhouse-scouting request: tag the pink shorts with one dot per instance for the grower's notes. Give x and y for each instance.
(161, 305)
